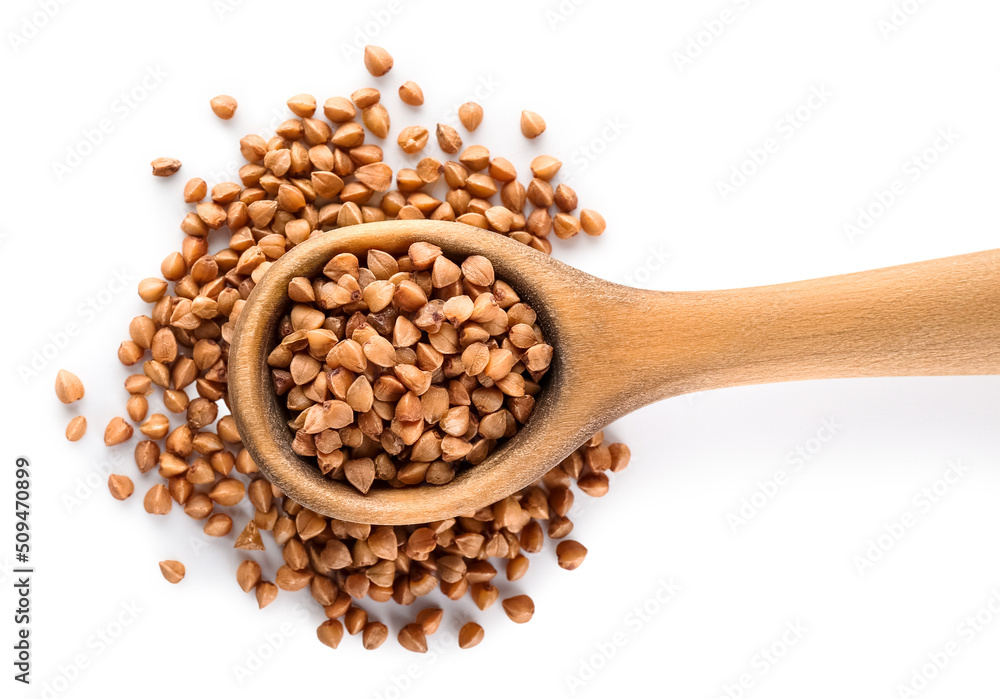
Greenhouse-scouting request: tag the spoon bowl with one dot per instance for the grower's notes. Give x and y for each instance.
(538, 279)
(618, 349)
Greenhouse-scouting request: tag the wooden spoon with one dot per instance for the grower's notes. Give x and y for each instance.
(618, 349)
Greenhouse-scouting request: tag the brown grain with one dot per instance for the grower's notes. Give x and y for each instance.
(448, 139)
(195, 190)
(412, 139)
(330, 633)
(157, 500)
(339, 110)
(248, 575)
(545, 167)
(374, 635)
(571, 554)
(165, 167)
(250, 538)
(121, 487)
(69, 388)
(532, 124)
(151, 289)
(223, 106)
(430, 619)
(411, 93)
(470, 635)
(376, 118)
(266, 593)
(519, 609)
(412, 638)
(592, 222)
(471, 115)
(377, 60)
(172, 571)
(117, 431)
(302, 105)
(76, 428)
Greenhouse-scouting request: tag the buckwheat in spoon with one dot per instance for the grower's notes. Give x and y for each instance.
(614, 350)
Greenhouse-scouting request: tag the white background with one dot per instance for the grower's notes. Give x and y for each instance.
(680, 130)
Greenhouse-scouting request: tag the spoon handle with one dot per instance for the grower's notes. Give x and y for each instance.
(934, 318)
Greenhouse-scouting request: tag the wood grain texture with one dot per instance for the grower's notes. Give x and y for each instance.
(618, 349)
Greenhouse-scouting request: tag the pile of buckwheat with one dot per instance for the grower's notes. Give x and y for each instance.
(406, 369)
(316, 176)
